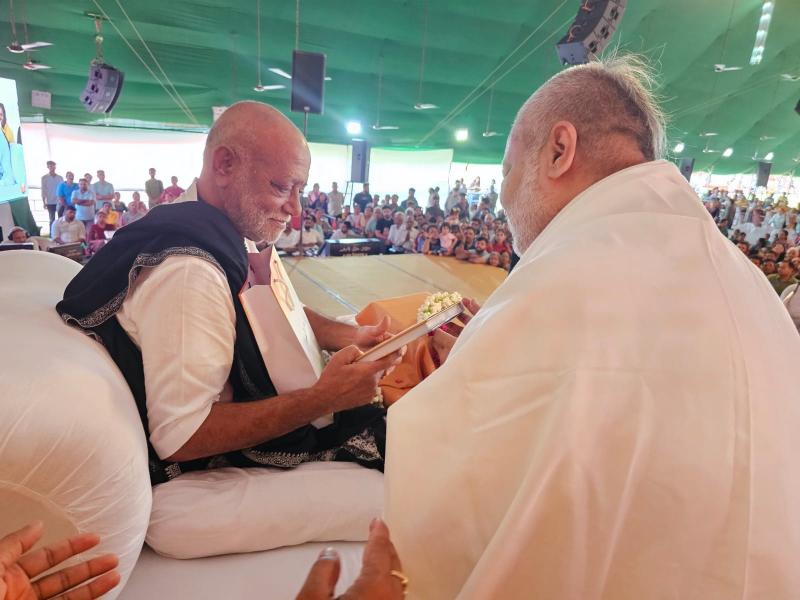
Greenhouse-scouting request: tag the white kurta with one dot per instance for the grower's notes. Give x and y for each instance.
(621, 419)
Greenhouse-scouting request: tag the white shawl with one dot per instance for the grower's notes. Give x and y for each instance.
(621, 420)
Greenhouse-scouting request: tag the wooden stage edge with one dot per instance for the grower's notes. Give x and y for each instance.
(344, 285)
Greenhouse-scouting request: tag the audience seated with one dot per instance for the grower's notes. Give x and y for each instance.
(466, 225)
(343, 232)
(68, 229)
(97, 233)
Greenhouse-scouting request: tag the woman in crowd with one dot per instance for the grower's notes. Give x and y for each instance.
(96, 237)
(371, 221)
(118, 206)
(313, 197)
(136, 210)
(357, 220)
(172, 192)
(112, 216)
(323, 223)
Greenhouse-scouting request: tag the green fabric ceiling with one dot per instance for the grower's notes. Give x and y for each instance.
(208, 50)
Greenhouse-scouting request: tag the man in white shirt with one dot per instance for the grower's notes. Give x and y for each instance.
(103, 190)
(289, 239)
(310, 238)
(50, 183)
(398, 232)
(335, 201)
(632, 439)
(343, 232)
(179, 332)
(68, 229)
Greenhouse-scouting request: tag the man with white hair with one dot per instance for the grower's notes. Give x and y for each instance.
(632, 440)
(163, 296)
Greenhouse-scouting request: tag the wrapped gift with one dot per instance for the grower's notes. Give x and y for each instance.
(284, 336)
(417, 363)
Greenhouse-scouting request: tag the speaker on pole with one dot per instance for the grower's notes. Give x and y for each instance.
(359, 163)
(687, 166)
(103, 88)
(764, 169)
(591, 30)
(308, 82)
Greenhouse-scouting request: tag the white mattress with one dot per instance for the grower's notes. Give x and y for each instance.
(272, 575)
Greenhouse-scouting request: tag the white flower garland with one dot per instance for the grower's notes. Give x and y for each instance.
(437, 302)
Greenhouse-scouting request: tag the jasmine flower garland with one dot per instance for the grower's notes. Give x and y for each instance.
(437, 302)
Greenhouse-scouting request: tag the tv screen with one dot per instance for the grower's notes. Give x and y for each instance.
(13, 184)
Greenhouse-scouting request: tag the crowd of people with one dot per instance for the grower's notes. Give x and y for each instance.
(467, 227)
(89, 212)
(767, 231)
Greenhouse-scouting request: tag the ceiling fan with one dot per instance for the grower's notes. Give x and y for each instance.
(721, 68)
(15, 47)
(419, 104)
(32, 65)
(488, 132)
(377, 126)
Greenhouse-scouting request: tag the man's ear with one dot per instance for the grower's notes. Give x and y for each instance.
(224, 162)
(560, 149)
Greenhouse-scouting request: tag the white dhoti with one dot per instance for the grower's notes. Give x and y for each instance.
(621, 419)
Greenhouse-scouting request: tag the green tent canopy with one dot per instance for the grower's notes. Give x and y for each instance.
(205, 54)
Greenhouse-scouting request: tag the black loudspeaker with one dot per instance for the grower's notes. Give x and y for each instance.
(359, 163)
(764, 169)
(591, 30)
(308, 82)
(686, 167)
(103, 88)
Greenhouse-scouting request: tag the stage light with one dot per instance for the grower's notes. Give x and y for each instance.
(728, 153)
(353, 127)
(679, 147)
(769, 156)
(268, 88)
(424, 106)
(462, 135)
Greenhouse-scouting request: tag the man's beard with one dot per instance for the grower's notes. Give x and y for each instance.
(522, 220)
(249, 219)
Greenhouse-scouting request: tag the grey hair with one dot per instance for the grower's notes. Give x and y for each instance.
(609, 96)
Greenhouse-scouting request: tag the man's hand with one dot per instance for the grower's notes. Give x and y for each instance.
(347, 384)
(367, 336)
(17, 569)
(375, 582)
(445, 337)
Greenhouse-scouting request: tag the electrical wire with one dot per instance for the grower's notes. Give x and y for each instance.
(155, 60)
(189, 115)
(457, 109)
(462, 106)
(297, 25)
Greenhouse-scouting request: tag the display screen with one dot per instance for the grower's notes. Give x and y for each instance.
(13, 184)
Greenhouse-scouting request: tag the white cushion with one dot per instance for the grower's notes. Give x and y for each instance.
(245, 510)
(272, 575)
(72, 444)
